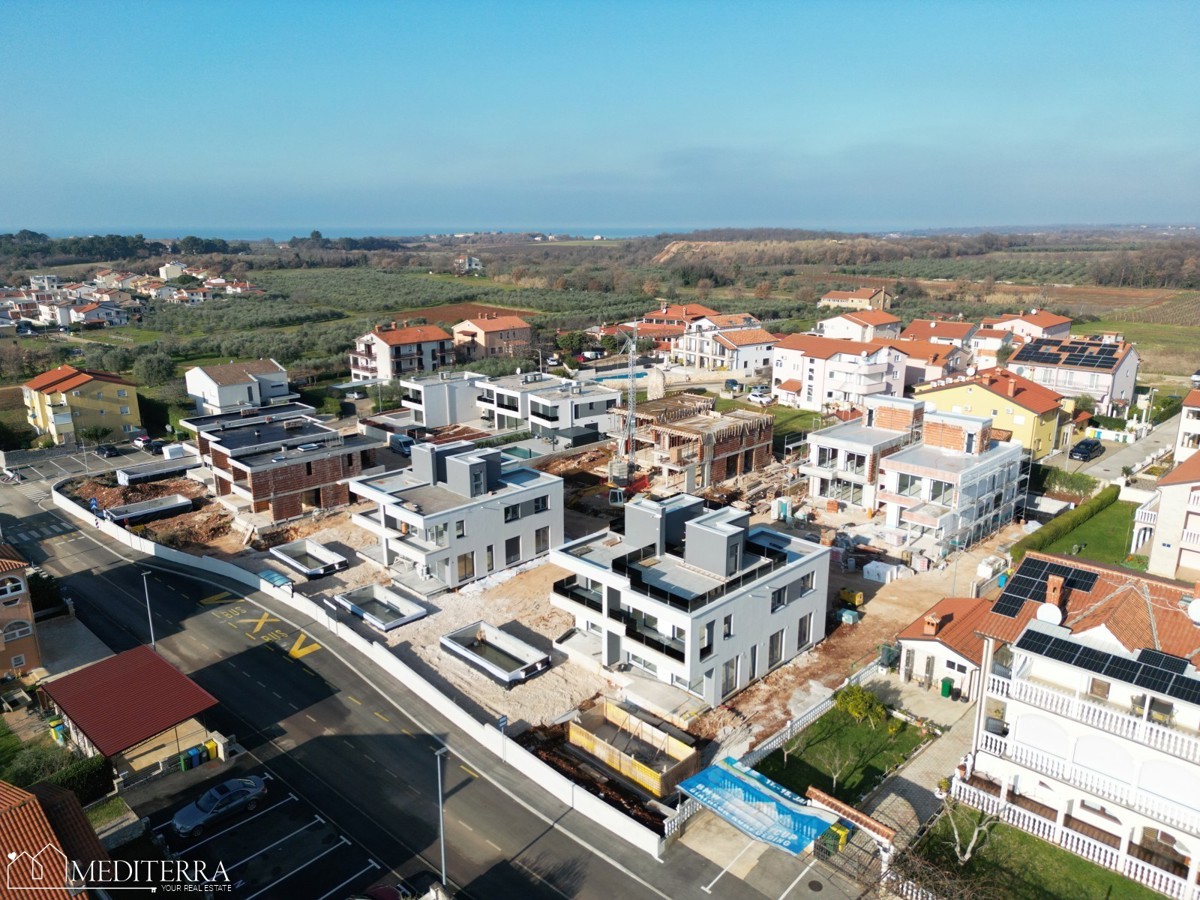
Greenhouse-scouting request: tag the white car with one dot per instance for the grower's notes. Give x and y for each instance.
(355, 395)
(762, 399)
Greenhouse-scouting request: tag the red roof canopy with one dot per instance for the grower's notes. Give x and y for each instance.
(128, 698)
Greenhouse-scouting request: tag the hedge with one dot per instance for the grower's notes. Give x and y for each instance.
(90, 778)
(1050, 480)
(1065, 524)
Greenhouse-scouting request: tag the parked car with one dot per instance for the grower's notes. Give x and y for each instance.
(732, 384)
(107, 451)
(761, 399)
(155, 447)
(224, 800)
(355, 395)
(1088, 448)
(1195, 377)
(760, 389)
(140, 442)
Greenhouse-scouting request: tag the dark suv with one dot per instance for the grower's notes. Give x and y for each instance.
(1089, 448)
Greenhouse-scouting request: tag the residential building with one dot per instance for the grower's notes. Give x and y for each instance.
(190, 296)
(99, 314)
(860, 325)
(943, 643)
(489, 336)
(679, 315)
(464, 265)
(233, 386)
(990, 345)
(843, 459)
(687, 446)
(955, 487)
(19, 651)
(43, 282)
(544, 403)
(1031, 412)
(65, 401)
(438, 399)
(940, 331)
(862, 298)
(45, 830)
(698, 599)
(1088, 732)
(394, 351)
(811, 372)
(1032, 326)
(724, 343)
(1104, 370)
(1187, 441)
(278, 463)
(455, 516)
(926, 361)
(1170, 521)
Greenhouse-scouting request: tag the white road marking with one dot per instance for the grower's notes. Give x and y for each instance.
(288, 799)
(341, 842)
(708, 887)
(316, 820)
(494, 846)
(363, 871)
(797, 881)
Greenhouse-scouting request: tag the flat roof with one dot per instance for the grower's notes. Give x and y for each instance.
(518, 383)
(440, 377)
(853, 432)
(949, 461)
(584, 389)
(266, 433)
(206, 423)
(350, 443)
(437, 498)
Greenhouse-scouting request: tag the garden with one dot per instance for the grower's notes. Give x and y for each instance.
(1104, 538)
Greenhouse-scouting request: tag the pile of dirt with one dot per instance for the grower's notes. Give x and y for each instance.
(107, 493)
(587, 461)
(206, 523)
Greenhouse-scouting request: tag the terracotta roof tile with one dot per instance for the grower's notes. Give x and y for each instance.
(66, 378)
(928, 329)
(1192, 399)
(745, 337)
(690, 311)
(414, 334)
(869, 317)
(1186, 472)
(794, 384)
(241, 373)
(1027, 394)
(960, 617)
(11, 560)
(498, 323)
(827, 348)
(27, 833)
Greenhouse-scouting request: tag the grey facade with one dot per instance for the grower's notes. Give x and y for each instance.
(699, 599)
(441, 399)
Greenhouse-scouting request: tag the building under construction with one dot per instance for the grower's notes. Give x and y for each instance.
(682, 444)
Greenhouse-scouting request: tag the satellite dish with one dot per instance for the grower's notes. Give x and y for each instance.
(1193, 611)
(970, 371)
(1050, 614)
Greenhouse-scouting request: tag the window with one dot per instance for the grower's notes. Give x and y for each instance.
(18, 661)
(643, 664)
(778, 599)
(541, 504)
(308, 468)
(122, 393)
(11, 585)
(729, 676)
(541, 540)
(466, 566)
(955, 666)
(476, 483)
(491, 557)
(512, 551)
(775, 649)
(99, 395)
(460, 528)
(124, 410)
(128, 428)
(806, 582)
(512, 513)
(803, 632)
(1099, 688)
(707, 633)
(16, 630)
(727, 626)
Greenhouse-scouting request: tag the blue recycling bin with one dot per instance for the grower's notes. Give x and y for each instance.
(193, 757)
(1003, 580)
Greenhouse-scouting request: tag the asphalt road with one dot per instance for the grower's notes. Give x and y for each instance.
(350, 741)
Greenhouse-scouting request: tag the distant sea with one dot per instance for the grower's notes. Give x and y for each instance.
(283, 234)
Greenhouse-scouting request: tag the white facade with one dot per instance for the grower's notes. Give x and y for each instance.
(545, 403)
(724, 343)
(677, 596)
(1112, 388)
(856, 327)
(235, 386)
(387, 353)
(814, 372)
(99, 314)
(1187, 441)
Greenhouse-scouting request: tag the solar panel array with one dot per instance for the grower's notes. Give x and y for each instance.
(1029, 583)
(1080, 354)
(1152, 670)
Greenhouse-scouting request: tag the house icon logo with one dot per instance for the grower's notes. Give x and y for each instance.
(45, 870)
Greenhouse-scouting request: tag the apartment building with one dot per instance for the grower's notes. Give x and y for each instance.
(489, 336)
(1088, 731)
(955, 487)
(234, 386)
(843, 460)
(927, 361)
(1187, 441)
(278, 463)
(863, 298)
(1032, 326)
(1170, 524)
(19, 651)
(64, 402)
(439, 399)
(811, 372)
(860, 325)
(456, 516)
(679, 315)
(1031, 412)
(696, 598)
(940, 331)
(545, 403)
(393, 351)
(734, 342)
(1102, 369)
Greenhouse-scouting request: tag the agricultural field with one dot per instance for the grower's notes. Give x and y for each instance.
(1029, 267)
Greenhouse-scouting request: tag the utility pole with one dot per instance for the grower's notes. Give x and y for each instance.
(438, 755)
(149, 617)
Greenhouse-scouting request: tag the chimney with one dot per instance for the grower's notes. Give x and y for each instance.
(393, 324)
(1054, 590)
(1012, 387)
(933, 624)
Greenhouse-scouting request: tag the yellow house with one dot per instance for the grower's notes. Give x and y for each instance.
(1032, 412)
(66, 401)
(19, 650)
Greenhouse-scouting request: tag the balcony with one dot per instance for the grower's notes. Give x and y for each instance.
(412, 398)
(569, 589)
(649, 637)
(550, 415)
(1106, 718)
(1189, 539)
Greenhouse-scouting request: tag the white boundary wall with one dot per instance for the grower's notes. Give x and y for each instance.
(485, 734)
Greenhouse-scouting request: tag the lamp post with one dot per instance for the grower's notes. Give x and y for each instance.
(438, 755)
(149, 618)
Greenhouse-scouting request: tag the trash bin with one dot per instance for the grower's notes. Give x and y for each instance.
(947, 686)
(211, 746)
(203, 751)
(194, 756)
(1003, 580)
(185, 762)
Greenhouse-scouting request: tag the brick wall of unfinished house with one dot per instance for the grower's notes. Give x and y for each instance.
(283, 487)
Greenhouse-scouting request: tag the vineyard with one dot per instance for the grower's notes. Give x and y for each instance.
(1179, 309)
(1050, 267)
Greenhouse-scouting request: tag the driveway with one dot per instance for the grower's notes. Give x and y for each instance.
(1109, 465)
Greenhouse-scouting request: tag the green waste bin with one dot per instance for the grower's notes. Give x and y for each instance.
(947, 686)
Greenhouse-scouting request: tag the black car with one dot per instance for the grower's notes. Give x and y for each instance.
(108, 451)
(154, 446)
(1089, 448)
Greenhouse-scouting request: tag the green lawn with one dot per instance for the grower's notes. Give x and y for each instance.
(1019, 866)
(1107, 535)
(106, 811)
(10, 744)
(835, 741)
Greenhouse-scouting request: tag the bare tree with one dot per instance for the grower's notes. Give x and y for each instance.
(837, 760)
(971, 832)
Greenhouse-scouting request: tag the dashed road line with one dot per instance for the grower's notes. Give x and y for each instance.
(382, 716)
(355, 699)
(494, 846)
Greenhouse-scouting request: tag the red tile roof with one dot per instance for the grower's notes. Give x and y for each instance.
(960, 616)
(496, 323)
(865, 293)
(68, 821)
(733, 320)
(414, 334)
(744, 337)
(67, 378)
(795, 384)
(690, 312)
(1044, 319)
(1025, 393)
(827, 348)
(26, 832)
(1187, 472)
(128, 698)
(869, 317)
(11, 560)
(925, 351)
(928, 329)
(1192, 399)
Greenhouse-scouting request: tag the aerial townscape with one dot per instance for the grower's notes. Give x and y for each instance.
(816, 535)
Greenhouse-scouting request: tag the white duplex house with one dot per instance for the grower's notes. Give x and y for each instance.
(812, 372)
(234, 386)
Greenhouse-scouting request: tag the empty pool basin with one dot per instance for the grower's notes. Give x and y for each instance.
(309, 558)
(380, 607)
(507, 659)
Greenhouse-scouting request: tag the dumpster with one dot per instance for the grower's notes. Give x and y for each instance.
(203, 752)
(947, 686)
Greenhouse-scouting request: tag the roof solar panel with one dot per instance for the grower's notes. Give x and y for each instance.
(1122, 669)
(1164, 661)
(1008, 605)
(1062, 651)
(1153, 679)
(1185, 689)
(1092, 660)
(1034, 641)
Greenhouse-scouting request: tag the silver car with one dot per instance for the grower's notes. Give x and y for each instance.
(224, 800)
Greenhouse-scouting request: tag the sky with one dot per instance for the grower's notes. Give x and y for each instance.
(276, 118)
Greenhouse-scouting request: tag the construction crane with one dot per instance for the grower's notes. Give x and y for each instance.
(616, 490)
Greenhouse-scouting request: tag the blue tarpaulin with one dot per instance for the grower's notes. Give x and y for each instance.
(757, 806)
(276, 578)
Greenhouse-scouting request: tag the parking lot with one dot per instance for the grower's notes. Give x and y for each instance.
(285, 847)
(81, 464)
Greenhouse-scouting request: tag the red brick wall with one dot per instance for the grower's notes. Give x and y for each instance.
(894, 418)
(284, 486)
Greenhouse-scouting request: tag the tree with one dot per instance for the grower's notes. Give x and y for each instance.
(1085, 403)
(118, 359)
(1004, 354)
(573, 341)
(837, 760)
(95, 434)
(613, 343)
(651, 287)
(153, 368)
(645, 344)
(762, 290)
(860, 704)
(703, 288)
(971, 830)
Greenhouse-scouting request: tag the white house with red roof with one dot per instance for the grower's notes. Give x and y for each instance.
(1032, 325)
(734, 342)
(1170, 523)
(1187, 441)
(942, 643)
(101, 314)
(940, 331)
(391, 350)
(987, 345)
(860, 325)
(1088, 731)
(812, 372)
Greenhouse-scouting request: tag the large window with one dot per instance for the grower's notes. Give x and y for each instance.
(778, 599)
(14, 631)
(512, 513)
(775, 649)
(541, 504)
(803, 632)
(466, 566)
(11, 585)
(541, 540)
(512, 551)
(729, 677)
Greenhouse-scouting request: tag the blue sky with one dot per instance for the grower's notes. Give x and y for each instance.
(384, 116)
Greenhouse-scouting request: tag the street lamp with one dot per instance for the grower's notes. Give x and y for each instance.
(149, 618)
(439, 754)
